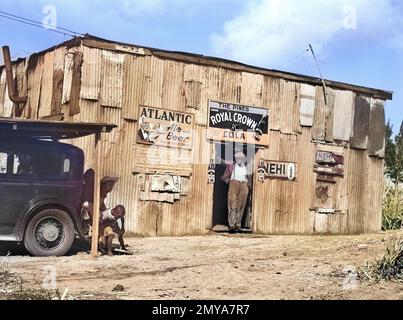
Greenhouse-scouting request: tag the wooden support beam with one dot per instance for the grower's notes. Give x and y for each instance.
(97, 198)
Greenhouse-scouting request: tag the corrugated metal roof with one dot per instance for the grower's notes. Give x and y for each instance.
(97, 42)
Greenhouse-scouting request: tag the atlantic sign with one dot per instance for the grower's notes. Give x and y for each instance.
(237, 123)
(165, 128)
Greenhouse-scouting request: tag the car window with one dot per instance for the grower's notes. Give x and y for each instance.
(55, 166)
(3, 162)
(23, 164)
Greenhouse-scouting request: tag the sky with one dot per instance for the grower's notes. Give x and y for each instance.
(356, 41)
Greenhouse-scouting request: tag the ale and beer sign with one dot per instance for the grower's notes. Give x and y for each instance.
(238, 123)
(165, 128)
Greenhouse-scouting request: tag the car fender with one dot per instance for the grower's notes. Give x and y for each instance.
(45, 202)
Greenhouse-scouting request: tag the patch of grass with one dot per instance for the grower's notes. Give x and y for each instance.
(13, 287)
(390, 267)
(392, 210)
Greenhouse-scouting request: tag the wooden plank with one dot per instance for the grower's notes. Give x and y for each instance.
(359, 139)
(35, 71)
(343, 115)
(111, 79)
(68, 76)
(2, 91)
(97, 198)
(74, 103)
(58, 76)
(135, 78)
(377, 129)
(318, 129)
(45, 101)
(193, 94)
(329, 115)
(307, 105)
(91, 74)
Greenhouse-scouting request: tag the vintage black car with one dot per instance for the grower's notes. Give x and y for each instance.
(41, 183)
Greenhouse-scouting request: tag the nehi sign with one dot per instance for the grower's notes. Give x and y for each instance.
(237, 123)
(269, 169)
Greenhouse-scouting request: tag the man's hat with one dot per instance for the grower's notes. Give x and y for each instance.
(239, 155)
(108, 178)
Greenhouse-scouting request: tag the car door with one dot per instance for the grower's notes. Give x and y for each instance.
(17, 176)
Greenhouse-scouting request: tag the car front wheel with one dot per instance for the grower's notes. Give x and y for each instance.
(49, 233)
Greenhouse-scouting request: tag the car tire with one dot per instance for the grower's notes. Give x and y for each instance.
(49, 233)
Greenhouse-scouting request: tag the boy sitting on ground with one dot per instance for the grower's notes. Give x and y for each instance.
(109, 227)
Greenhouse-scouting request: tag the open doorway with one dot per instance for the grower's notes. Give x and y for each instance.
(225, 152)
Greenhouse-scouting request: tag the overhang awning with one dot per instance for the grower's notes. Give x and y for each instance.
(39, 129)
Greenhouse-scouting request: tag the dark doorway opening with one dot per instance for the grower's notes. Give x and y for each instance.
(225, 154)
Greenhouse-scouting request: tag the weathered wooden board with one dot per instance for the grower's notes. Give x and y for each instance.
(35, 73)
(68, 75)
(74, 103)
(329, 115)
(135, 79)
(359, 139)
(58, 76)
(377, 129)
(307, 105)
(91, 74)
(343, 115)
(111, 79)
(45, 101)
(319, 122)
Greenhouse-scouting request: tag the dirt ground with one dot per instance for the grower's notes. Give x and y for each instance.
(220, 266)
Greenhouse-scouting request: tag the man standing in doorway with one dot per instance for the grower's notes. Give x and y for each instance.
(238, 176)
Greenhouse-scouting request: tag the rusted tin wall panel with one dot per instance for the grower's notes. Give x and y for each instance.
(2, 91)
(373, 214)
(343, 115)
(359, 139)
(154, 83)
(35, 73)
(377, 129)
(307, 105)
(195, 92)
(318, 129)
(230, 85)
(57, 81)
(68, 74)
(45, 101)
(91, 73)
(271, 98)
(111, 79)
(329, 115)
(135, 78)
(172, 88)
(357, 191)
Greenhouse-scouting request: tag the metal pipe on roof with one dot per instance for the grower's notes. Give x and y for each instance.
(12, 90)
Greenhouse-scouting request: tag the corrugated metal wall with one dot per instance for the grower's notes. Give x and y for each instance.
(97, 85)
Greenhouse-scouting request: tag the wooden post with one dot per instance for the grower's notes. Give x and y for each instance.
(97, 183)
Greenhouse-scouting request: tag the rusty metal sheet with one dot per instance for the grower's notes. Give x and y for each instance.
(111, 79)
(58, 76)
(377, 129)
(67, 78)
(91, 74)
(359, 139)
(319, 122)
(45, 101)
(329, 115)
(307, 105)
(343, 115)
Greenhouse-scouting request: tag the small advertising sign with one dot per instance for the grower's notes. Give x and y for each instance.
(238, 123)
(166, 128)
